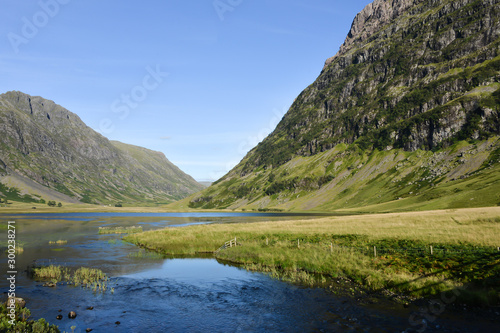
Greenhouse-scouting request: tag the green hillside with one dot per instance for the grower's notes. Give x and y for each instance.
(47, 152)
(404, 116)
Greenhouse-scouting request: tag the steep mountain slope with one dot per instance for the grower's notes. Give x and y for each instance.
(412, 81)
(48, 145)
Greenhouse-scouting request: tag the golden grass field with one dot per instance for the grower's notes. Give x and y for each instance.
(334, 246)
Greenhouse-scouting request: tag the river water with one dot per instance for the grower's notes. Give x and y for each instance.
(156, 294)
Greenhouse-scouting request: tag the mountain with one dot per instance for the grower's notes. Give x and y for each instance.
(48, 152)
(406, 111)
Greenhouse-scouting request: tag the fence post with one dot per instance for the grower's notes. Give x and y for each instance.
(431, 250)
(331, 247)
(234, 241)
(267, 241)
(298, 244)
(374, 251)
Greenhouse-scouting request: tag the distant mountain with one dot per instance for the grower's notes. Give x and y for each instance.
(48, 152)
(408, 105)
(205, 183)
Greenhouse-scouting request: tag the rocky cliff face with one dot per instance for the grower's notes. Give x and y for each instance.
(412, 76)
(370, 20)
(48, 144)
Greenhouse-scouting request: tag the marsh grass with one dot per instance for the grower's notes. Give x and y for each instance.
(50, 273)
(58, 242)
(119, 230)
(145, 254)
(19, 247)
(90, 278)
(464, 245)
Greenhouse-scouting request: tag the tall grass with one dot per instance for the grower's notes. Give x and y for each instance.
(52, 272)
(58, 242)
(119, 230)
(91, 278)
(464, 249)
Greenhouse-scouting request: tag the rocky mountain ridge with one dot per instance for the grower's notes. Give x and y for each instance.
(428, 77)
(411, 76)
(48, 144)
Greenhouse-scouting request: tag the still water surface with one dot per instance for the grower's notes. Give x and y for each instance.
(154, 294)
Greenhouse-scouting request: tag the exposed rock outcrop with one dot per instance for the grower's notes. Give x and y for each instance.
(411, 74)
(53, 147)
(414, 79)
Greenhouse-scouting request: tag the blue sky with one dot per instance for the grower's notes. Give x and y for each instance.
(202, 81)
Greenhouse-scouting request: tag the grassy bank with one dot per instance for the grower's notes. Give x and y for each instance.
(16, 207)
(378, 251)
(119, 230)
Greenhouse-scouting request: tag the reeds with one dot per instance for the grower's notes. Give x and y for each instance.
(52, 273)
(91, 278)
(58, 242)
(119, 230)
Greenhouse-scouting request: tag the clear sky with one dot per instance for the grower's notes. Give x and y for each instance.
(202, 81)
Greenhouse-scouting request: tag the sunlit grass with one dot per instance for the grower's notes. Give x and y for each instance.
(119, 230)
(53, 273)
(91, 278)
(464, 244)
(19, 247)
(58, 242)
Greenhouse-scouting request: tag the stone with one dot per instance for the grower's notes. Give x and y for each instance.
(17, 300)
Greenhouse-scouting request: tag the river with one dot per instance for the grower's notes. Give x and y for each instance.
(156, 294)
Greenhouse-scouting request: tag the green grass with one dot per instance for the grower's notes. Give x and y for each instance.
(146, 254)
(52, 273)
(464, 246)
(91, 278)
(58, 242)
(346, 178)
(119, 230)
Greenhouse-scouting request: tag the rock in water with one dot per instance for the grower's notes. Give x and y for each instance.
(17, 300)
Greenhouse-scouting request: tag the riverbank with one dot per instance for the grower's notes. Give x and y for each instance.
(15, 207)
(417, 254)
